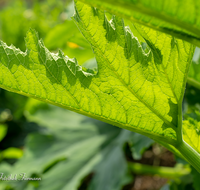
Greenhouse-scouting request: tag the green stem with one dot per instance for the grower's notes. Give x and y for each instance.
(161, 171)
(193, 82)
(192, 156)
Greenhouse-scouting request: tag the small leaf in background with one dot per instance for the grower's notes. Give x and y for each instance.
(63, 33)
(138, 144)
(191, 130)
(67, 37)
(3, 131)
(12, 152)
(194, 72)
(196, 179)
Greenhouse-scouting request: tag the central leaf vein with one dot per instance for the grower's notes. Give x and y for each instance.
(124, 84)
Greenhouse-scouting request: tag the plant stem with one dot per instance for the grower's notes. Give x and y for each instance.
(165, 172)
(193, 82)
(192, 156)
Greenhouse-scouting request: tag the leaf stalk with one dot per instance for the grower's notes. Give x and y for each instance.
(192, 156)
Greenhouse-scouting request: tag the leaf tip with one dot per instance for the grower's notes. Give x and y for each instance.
(31, 39)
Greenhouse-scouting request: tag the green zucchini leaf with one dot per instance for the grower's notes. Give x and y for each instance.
(136, 88)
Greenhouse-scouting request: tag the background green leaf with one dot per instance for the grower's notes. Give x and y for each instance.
(138, 144)
(70, 147)
(191, 130)
(194, 72)
(3, 130)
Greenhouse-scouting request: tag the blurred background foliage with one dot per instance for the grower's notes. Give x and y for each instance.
(69, 151)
